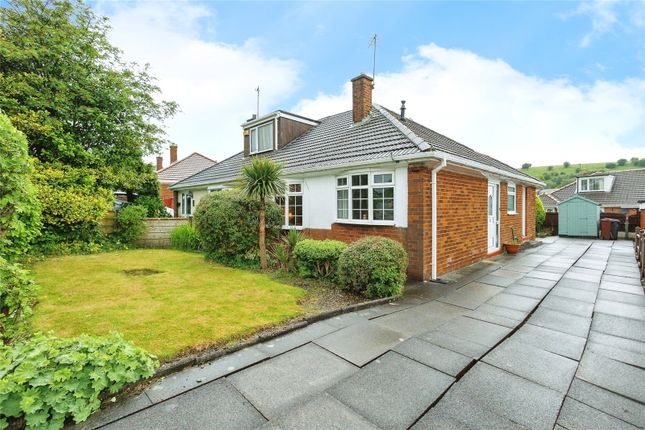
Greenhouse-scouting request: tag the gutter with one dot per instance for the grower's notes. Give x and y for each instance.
(434, 217)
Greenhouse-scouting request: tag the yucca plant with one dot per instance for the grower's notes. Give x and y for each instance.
(262, 178)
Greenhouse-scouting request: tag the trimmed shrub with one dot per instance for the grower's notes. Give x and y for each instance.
(185, 238)
(227, 225)
(17, 295)
(318, 258)
(19, 209)
(46, 379)
(129, 225)
(540, 213)
(374, 267)
(154, 206)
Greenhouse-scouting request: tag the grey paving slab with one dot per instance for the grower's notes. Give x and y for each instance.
(507, 395)
(513, 301)
(560, 321)
(192, 377)
(323, 412)
(618, 326)
(509, 313)
(420, 319)
(563, 344)
(617, 342)
(550, 268)
(453, 343)
(527, 291)
(577, 284)
(534, 282)
(618, 354)
(620, 309)
(496, 280)
(569, 306)
(382, 310)
(344, 320)
(578, 416)
(214, 405)
(519, 268)
(617, 296)
(613, 375)
(457, 412)
(439, 358)
(508, 273)
(475, 330)
(277, 384)
(297, 338)
(361, 343)
(392, 391)
(471, 295)
(582, 276)
(534, 364)
(492, 318)
(623, 288)
(622, 280)
(112, 413)
(572, 293)
(544, 275)
(608, 402)
(623, 271)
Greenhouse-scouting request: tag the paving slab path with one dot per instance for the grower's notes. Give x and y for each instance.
(553, 338)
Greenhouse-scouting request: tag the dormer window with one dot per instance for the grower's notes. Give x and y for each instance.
(261, 138)
(592, 184)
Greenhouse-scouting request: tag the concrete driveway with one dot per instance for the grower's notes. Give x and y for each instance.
(551, 338)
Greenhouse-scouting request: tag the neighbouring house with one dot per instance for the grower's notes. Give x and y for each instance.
(176, 171)
(618, 192)
(549, 202)
(372, 171)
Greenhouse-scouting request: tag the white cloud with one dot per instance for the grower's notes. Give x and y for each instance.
(497, 110)
(212, 82)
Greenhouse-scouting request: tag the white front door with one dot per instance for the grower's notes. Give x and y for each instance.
(493, 217)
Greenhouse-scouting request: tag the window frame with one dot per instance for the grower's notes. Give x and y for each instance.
(184, 197)
(370, 196)
(510, 185)
(587, 184)
(256, 129)
(285, 196)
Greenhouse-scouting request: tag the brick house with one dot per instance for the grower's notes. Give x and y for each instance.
(371, 171)
(176, 171)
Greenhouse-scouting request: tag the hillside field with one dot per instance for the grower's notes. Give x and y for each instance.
(558, 176)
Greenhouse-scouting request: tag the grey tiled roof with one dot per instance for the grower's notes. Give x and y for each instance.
(184, 168)
(627, 190)
(337, 141)
(548, 201)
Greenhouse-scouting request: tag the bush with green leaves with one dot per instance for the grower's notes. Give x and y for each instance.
(227, 224)
(154, 206)
(19, 209)
(185, 238)
(129, 225)
(17, 295)
(46, 379)
(540, 214)
(374, 267)
(610, 165)
(318, 258)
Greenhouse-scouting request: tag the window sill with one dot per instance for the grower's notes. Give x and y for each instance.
(260, 152)
(512, 213)
(289, 227)
(367, 222)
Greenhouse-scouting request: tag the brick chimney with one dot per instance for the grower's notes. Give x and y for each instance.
(173, 153)
(361, 97)
(159, 162)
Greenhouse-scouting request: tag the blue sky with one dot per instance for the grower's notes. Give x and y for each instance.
(564, 80)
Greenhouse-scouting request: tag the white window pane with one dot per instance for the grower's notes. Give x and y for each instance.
(385, 178)
(265, 141)
(359, 180)
(254, 140)
(295, 188)
(342, 204)
(341, 182)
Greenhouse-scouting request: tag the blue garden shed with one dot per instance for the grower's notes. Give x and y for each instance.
(578, 217)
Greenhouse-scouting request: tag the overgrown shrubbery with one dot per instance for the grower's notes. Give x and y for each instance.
(185, 238)
(227, 224)
(129, 225)
(318, 258)
(540, 214)
(374, 267)
(19, 210)
(17, 295)
(154, 206)
(46, 379)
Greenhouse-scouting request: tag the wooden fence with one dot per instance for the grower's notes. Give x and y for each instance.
(633, 222)
(107, 223)
(551, 222)
(157, 233)
(639, 248)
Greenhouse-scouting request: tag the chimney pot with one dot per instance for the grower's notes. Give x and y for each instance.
(402, 110)
(361, 97)
(173, 153)
(159, 162)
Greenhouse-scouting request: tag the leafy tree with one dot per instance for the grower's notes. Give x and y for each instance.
(549, 168)
(566, 164)
(610, 165)
(70, 92)
(526, 166)
(19, 210)
(540, 213)
(621, 162)
(634, 161)
(641, 162)
(262, 178)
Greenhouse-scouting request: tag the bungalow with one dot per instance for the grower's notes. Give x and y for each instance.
(371, 171)
(176, 171)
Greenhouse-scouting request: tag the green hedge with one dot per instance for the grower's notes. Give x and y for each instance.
(227, 224)
(318, 258)
(129, 225)
(374, 267)
(46, 379)
(185, 238)
(17, 295)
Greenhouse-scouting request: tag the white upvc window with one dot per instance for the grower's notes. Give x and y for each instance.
(261, 138)
(512, 198)
(365, 197)
(187, 203)
(291, 205)
(592, 184)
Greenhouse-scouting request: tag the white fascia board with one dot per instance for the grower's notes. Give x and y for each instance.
(297, 118)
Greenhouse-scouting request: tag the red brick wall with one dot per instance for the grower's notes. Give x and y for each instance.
(642, 218)
(420, 221)
(508, 221)
(530, 213)
(167, 195)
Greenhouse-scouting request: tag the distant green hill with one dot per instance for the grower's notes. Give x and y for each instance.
(557, 176)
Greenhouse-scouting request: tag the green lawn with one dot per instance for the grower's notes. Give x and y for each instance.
(189, 304)
(559, 175)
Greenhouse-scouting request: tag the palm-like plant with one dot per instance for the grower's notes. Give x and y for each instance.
(262, 178)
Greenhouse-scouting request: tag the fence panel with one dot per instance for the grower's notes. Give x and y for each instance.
(551, 222)
(158, 231)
